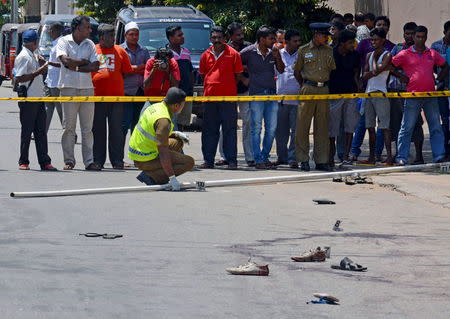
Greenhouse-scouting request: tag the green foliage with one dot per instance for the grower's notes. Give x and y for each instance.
(280, 14)
(284, 14)
(5, 11)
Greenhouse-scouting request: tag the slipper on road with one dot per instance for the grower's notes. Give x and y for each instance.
(348, 264)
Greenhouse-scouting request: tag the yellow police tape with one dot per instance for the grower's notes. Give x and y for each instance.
(243, 98)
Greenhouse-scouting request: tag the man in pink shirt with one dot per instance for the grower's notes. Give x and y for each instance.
(418, 62)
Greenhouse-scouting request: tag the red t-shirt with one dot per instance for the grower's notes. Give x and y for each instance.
(419, 68)
(114, 62)
(220, 74)
(160, 83)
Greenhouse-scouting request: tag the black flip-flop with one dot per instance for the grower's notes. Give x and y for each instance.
(105, 236)
(348, 264)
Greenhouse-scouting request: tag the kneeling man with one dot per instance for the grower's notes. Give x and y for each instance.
(155, 147)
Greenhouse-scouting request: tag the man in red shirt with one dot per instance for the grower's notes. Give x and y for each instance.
(161, 73)
(221, 68)
(418, 64)
(108, 81)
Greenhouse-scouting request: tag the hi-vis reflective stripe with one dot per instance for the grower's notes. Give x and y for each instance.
(145, 133)
(132, 150)
(247, 98)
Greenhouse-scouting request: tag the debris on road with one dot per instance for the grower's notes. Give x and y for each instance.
(324, 201)
(105, 236)
(313, 255)
(348, 264)
(324, 299)
(250, 269)
(336, 226)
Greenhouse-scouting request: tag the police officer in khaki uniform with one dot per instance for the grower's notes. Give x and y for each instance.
(312, 70)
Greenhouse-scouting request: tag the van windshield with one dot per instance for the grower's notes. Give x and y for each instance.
(196, 35)
(45, 42)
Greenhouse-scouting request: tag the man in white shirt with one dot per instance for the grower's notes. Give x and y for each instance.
(363, 31)
(78, 58)
(51, 82)
(28, 76)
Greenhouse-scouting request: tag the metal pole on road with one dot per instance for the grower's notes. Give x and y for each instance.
(233, 182)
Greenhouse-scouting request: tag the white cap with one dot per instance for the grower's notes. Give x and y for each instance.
(131, 25)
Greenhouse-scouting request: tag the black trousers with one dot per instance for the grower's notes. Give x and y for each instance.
(113, 114)
(216, 115)
(33, 120)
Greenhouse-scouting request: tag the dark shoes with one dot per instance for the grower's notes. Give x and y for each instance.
(118, 166)
(265, 165)
(93, 167)
(144, 178)
(293, 165)
(251, 163)
(49, 167)
(206, 166)
(324, 167)
(221, 163)
(442, 160)
(232, 166)
(277, 163)
(304, 166)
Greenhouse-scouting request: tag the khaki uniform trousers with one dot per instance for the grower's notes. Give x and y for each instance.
(319, 110)
(181, 163)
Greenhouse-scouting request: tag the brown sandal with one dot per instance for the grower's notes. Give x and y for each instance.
(68, 167)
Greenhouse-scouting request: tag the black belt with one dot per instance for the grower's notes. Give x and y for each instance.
(316, 84)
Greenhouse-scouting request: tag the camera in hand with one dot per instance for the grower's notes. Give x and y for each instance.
(162, 56)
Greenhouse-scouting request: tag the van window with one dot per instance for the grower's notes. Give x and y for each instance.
(196, 35)
(14, 38)
(45, 42)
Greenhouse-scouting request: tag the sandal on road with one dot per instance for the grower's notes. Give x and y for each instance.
(349, 180)
(348, 264)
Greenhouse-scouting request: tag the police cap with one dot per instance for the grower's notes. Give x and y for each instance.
(320, 27)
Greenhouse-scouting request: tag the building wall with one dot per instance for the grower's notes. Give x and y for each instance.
(32, 11)
(433, 14)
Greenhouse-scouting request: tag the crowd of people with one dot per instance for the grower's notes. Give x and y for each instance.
(349, 54)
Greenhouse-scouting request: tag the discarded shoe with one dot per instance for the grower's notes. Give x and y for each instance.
(363, 180)
(349, 180)
(348, 264)
(250, 269)
(314, 255)
(337, 180)
(325, 299)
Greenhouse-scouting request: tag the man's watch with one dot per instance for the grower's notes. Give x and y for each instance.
(77, 69)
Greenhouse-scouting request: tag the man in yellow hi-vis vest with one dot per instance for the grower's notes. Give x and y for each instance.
(155, 147)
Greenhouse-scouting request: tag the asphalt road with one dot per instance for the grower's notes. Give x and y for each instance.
(170, 262)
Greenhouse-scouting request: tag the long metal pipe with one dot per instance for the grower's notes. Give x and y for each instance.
(233, 182)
